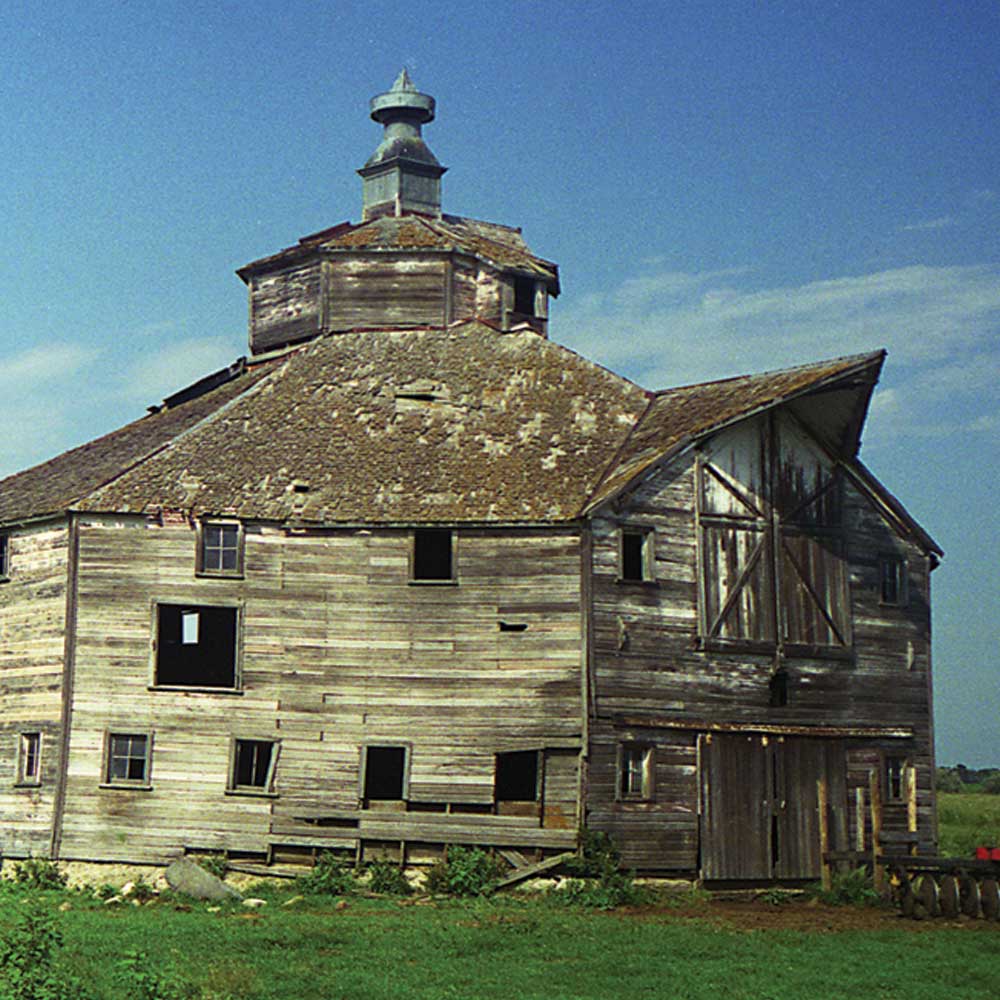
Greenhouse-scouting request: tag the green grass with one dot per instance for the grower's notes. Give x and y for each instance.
(507, 947)
(967, 820)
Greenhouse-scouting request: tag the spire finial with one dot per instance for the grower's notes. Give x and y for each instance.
(403, 81)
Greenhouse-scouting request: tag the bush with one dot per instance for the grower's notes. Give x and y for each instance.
(39, 873)
(27, 954)
(949, 781)
(853, 888)
(466, 871)
(330, 877)
(388, 879)
(598, 856)
(611, 890)
(140, 981)
(991, 785)
(214, 864)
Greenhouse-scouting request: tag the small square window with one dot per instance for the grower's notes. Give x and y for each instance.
(433, 556)
(635, 771)
(220, 548)
(4, 556)
(253, 765)
(636, 555)
(29, 761)
(892, 580)
(128, 759)
(516, 776)
(894, 787)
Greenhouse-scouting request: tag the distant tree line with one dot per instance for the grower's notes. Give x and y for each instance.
(967, 779)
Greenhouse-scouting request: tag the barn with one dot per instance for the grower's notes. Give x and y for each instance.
(410, 575)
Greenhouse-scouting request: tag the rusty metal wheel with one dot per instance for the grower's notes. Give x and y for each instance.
(949, 897)
(989, 892)
(926, 896)
(968, 895)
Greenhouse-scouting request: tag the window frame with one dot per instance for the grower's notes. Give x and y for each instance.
(900, 764)
(204, 527)
(237, 607)
(646, 770)
(434, 581)
(900, 568)
(145, 783)
(647, 553)
(5, 548)
(407, 748)
(539, 771)
(267, 789)
(24, 779)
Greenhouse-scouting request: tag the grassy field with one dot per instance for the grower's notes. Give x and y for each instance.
(505, 948)
(967, 820)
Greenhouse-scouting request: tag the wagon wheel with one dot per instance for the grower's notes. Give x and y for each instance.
(949, 896)
(925, 892)
(968, 895)
(990, 893)
(902, 890)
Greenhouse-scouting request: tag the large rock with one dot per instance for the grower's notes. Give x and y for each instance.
(191, 879)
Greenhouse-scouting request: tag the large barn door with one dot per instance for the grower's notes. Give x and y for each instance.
(760, 812)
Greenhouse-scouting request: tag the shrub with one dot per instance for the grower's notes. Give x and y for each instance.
(611, 890)
(214, 864)
(140, 981)
(330, 877)
(466, 871)
(388, 879)
(991, 785)
(948, 780)
(853, 888)
(39, 873)
(27, 954)
(598, 856)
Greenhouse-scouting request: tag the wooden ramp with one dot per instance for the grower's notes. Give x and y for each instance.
(523, 872)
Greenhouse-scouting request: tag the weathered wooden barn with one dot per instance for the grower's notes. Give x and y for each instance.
(410, 574)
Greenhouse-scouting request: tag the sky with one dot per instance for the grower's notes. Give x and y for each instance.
(727, 187)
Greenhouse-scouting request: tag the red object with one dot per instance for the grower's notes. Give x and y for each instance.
(995, 854)
(982, 854)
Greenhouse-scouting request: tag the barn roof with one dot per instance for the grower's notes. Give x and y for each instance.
(448, 426)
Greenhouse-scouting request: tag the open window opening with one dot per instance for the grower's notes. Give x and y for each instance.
(524, 296)
(894, 778)
(128, 759)
(220, 548)
(385, 773)
(516, 776)
(636, 556)
(29, 761)
(433, 557)
(892, 580)
(635, 771)
(253, 765)
(778, 689)
(4, 556)
(196, 646)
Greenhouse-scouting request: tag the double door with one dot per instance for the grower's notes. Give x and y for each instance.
(760, 805)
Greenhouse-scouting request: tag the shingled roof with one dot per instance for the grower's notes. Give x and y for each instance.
(447, 426)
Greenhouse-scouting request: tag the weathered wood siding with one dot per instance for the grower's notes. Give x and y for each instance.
(650, 659)
(339, 649)
(384, 290)
(32, 633)
(284, 306)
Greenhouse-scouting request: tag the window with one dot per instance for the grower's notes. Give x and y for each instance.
(778, 689)
(894, 787)
(636, 555)
(516, 776)
(196, 646)
(384, 769)
(635, 771)
(220, 548)
(29, 761)
(128, 759)
(432, 555)
(892, 580)
(253, 763)
(524, 296)
(771, 551)
(4, 556)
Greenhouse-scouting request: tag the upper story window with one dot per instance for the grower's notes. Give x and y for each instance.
(894, 778)
(524, 296)
(772, 550)
(4, 556)
(220, 548)
(892, 580)
(635, 556)
(196, 646)
(433, 555)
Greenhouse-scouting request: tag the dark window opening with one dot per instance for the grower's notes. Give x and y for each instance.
(128, 758)
(253, 762)
(221, 548)
(432, 554)
(517, 776)
(635, 549)
(778, 688)
(524, 296)
(195, 646)
(895, 778)
(635, 772)
(513, 626)
(892, 580)
(4, 556)
(30, 769)
(385, 768)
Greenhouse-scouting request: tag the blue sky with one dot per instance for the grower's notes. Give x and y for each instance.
(727, 187)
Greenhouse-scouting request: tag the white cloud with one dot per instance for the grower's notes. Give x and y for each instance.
(944, 222)
(149, 378)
